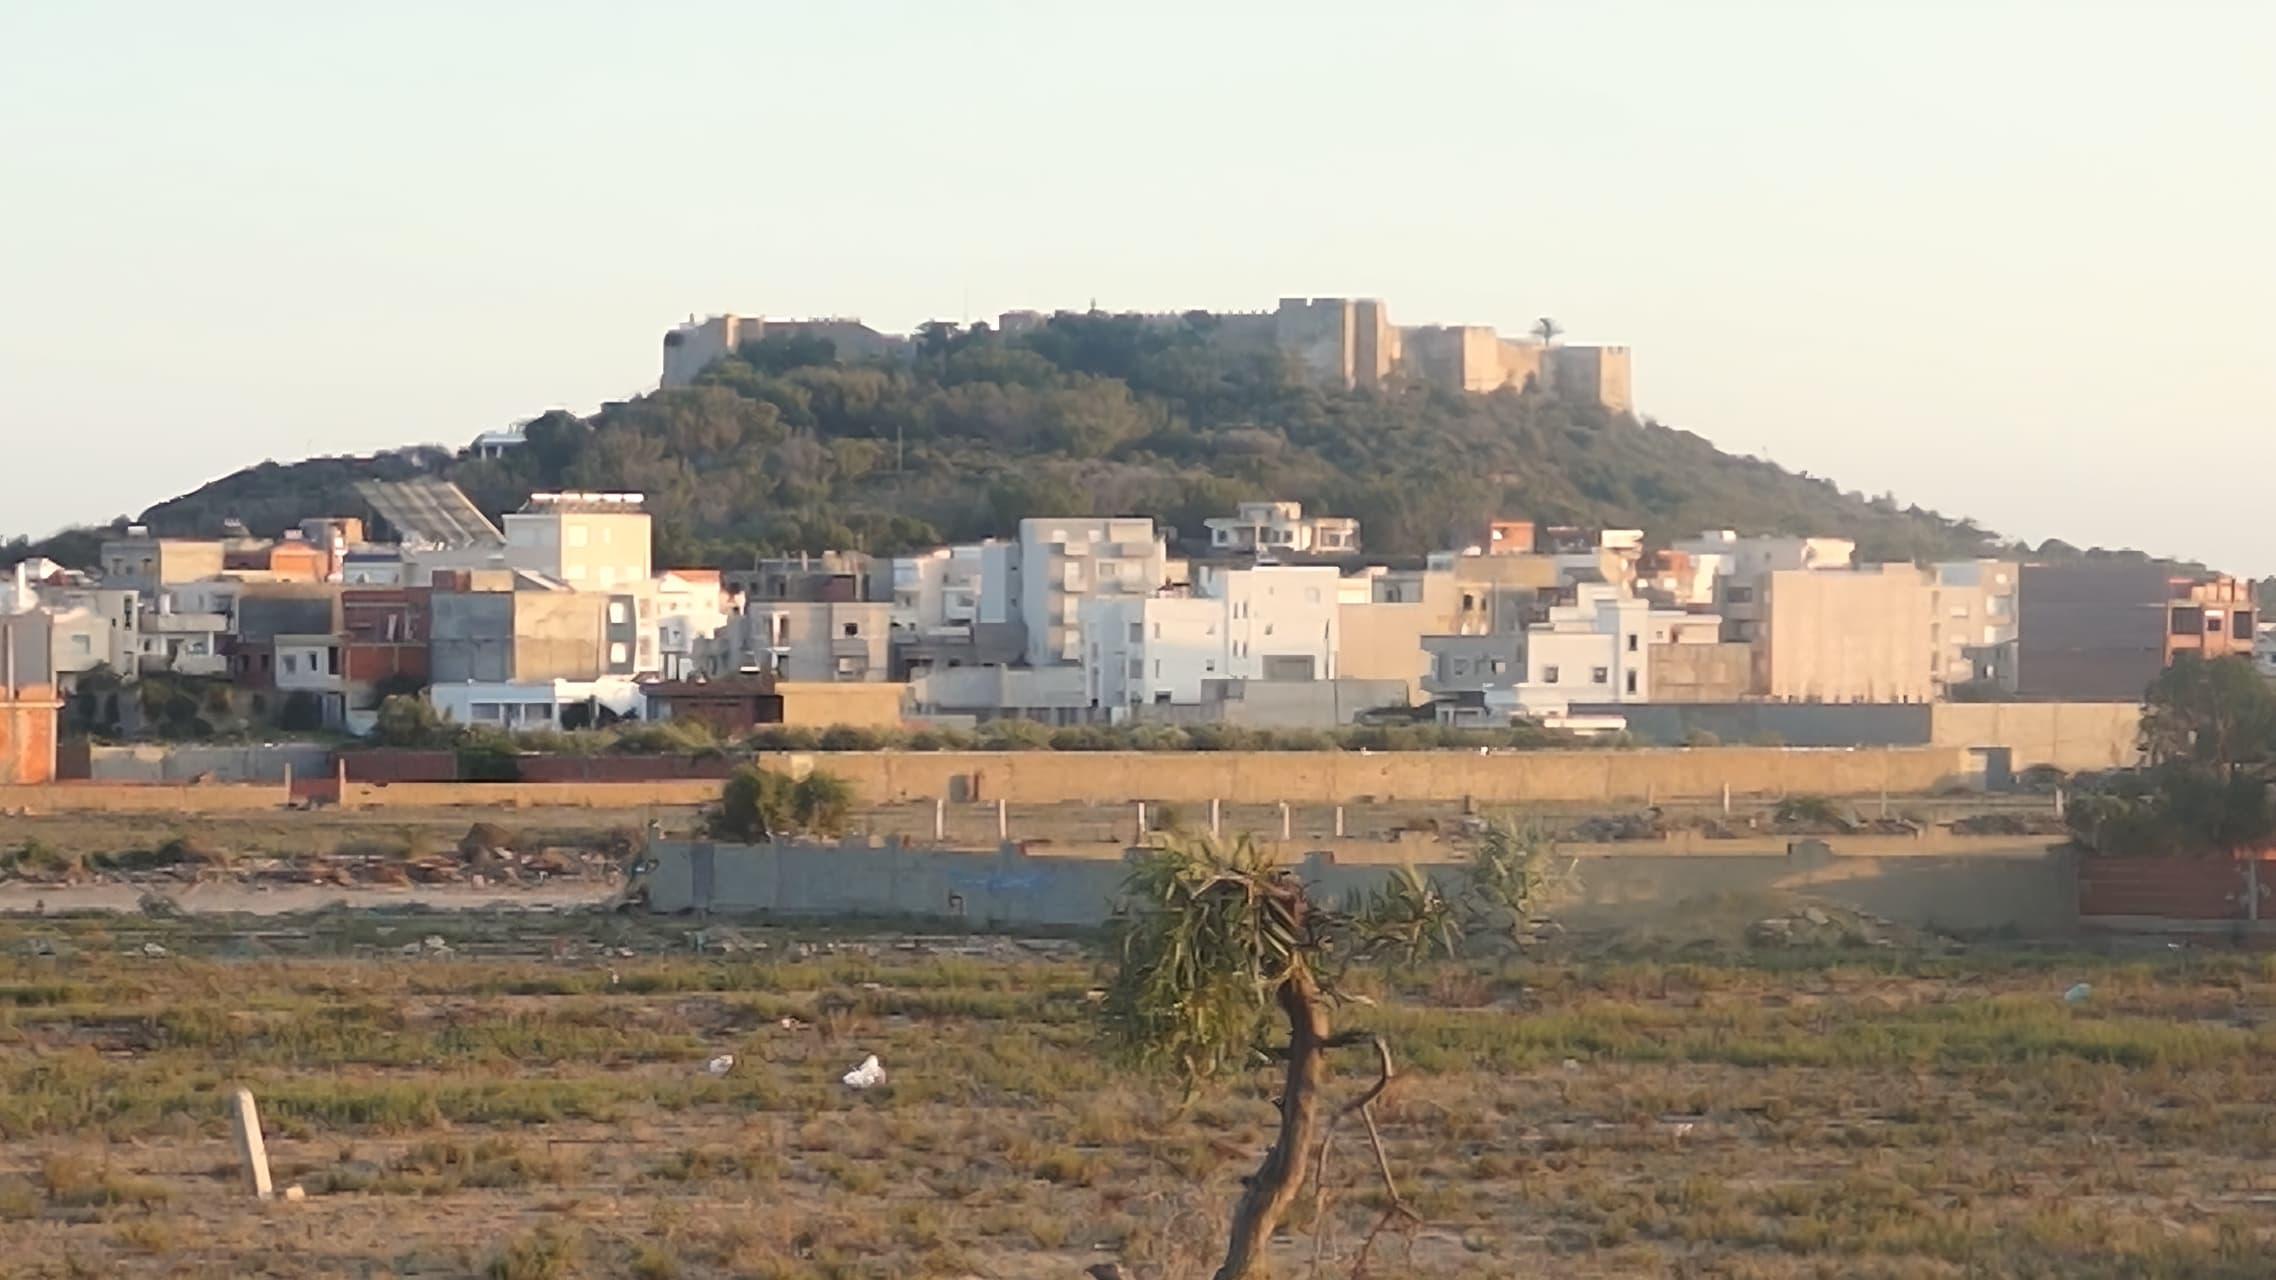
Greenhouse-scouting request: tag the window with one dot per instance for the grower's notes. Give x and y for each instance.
(848, 666)
(852, 629)
(618, 654)
(1600, 675)
(1497, 666)
(81, 644)
(2213, 622)
(1137, 632)
(1631, 642)
(1137, 668)
(291, 664)
(616, 612)
(1739, 595)
(1549, 675)
(1631, 682)
(2188, 620)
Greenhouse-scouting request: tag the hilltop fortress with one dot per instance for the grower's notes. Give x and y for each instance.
(1344, 342)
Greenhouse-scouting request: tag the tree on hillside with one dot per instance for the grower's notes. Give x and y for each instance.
(1220, 952)
(2208, 743)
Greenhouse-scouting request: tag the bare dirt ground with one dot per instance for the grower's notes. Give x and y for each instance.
(525, 1093)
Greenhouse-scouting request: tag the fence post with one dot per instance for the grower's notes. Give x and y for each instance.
(1339, 822)
(1726, 799)
(940, 819)
(245, 1121)
(1285, 825)
(1003, 820)
(1214, 815)
(1140, 838)
(340, 779)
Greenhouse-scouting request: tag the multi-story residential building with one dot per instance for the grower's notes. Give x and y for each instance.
(1063, 561)
(1267, 529)
(1835, 635)
(268, 612)
(1274, 623)
(142, 563)
(590, 541)
(804, 641)
(1594, 648)
(2103, 632)
(116, 643)
(185, 643)
(830, 577)
(1973, 626)
(1721, 553)
(384, 647)
(309, 667)
(955, 607)
(685, 608)
(530, 636)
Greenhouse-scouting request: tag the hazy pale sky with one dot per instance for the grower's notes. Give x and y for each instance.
(2007, 260)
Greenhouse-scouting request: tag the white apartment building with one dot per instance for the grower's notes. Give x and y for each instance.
(1722, 553)
(1597, 649)
(1281, 528)
(948, 589)
(1064, 561)
(1273, 623)
(591, 541)
(681, 608)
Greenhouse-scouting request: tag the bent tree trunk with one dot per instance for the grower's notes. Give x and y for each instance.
(1272, 1189)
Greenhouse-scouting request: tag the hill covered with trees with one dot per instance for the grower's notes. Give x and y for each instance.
(780, 448)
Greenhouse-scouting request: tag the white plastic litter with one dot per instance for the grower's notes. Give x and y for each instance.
(2078, 994)
(721, 1065)
(870, 1072)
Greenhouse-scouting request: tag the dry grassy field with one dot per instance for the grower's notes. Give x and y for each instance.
(526, 1096)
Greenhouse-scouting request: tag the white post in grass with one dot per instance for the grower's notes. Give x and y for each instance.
(245, 1120)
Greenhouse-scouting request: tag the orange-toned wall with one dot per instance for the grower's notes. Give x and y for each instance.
(27, 734)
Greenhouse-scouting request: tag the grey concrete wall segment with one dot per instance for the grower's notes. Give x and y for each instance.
(1789, 724)
(265, 763)
(2027, 889)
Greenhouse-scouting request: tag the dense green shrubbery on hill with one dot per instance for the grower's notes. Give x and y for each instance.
(780, 449)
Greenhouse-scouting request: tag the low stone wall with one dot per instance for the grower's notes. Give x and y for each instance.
(2024, 889)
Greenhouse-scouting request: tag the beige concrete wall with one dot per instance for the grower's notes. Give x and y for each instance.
(1692, 673)
(2072, 736)
(823, 705)
(1845, 637)
(1384, 642)
(1340, 777)
(560, 635)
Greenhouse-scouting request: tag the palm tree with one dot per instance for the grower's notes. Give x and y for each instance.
(1547, 330)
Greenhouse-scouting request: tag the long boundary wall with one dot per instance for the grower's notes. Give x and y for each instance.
(1345, 777)
(1114, 777)
(2022, 888)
